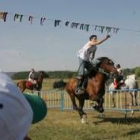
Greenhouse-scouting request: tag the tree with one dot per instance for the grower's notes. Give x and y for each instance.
(137, 72)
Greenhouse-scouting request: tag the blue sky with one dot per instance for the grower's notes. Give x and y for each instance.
(46, 47)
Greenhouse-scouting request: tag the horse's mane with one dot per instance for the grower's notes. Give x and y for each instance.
(92, 73)
(37, 74)
(101, 59)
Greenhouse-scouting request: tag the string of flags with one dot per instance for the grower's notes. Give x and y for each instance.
(58, 22)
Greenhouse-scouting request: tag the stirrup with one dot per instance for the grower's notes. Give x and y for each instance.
(79, 91)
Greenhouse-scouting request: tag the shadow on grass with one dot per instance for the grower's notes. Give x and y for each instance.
(122, 121)
(128, 121)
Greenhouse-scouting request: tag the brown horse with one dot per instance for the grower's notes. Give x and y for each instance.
(24, 84)
(94, 87)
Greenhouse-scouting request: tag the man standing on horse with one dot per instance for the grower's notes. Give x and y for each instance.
(86, 55)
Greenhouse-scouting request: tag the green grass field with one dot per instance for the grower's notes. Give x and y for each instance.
(66, 125)
(59, 125)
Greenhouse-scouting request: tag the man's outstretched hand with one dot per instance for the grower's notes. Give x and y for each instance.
(108, 36)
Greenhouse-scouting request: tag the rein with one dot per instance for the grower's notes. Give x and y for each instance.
(103, 72)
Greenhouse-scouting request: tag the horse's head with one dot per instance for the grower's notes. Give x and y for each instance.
(42, 74)
(106, 66)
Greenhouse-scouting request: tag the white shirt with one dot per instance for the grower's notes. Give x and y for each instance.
(86, 52)
(120, 72)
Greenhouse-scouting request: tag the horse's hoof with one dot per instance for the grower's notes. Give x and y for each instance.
(84, 119)
(132, 112)
(101, 109)
(101, 115)
(95, 107)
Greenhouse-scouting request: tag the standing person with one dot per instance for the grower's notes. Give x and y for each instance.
(86, 55)
(31, 77)
(119, 78)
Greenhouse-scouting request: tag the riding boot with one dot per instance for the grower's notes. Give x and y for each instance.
(80, 88)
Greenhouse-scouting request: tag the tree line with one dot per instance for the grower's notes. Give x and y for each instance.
(51, 75)
(69, 74)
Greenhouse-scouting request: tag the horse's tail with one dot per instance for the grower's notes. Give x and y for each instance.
(59, 84)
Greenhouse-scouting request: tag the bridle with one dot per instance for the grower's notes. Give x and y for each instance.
(102, 71)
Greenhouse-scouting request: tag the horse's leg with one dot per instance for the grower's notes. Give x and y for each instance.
(32, 91)
(73, 101)
(113, 99)
(99, 107)
(134, 97)
(22, 89)
(82, 114)
(132, 103)
(39, 93)
(80, 109)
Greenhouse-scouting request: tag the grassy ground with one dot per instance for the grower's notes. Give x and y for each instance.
(67, 126)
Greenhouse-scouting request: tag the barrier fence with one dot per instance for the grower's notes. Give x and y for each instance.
(122, 100)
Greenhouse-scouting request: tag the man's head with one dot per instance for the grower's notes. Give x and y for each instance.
(32, 70)
(118, 66)
(93, 38)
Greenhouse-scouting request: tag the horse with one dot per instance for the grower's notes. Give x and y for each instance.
(129, 84)
(25, 84)
(94, 87)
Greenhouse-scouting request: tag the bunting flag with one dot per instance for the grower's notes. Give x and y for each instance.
(58, 22)
(42, 20)
(3, 15)
(67, 23)
(18, 17)
(30, 19)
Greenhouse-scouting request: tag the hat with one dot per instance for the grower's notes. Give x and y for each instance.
(16, 113)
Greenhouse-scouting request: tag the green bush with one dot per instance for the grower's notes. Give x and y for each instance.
(137, 72)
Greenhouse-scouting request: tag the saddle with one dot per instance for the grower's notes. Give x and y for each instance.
(29, 84)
